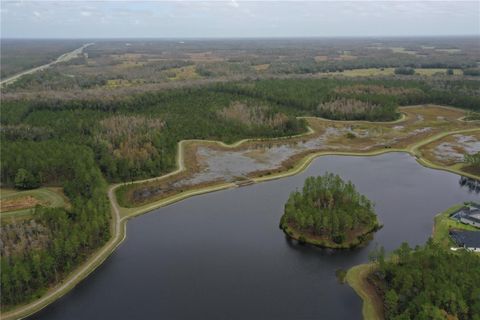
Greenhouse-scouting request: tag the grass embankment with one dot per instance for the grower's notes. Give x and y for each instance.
(433, 151)
(440, 120)
(357, 276)
(123, 191)
(426, 161)
(121, 216)
(372, 303)
(14, 203)
(352, 240)
(118, 231)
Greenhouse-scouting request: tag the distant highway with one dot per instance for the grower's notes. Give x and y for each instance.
(63, 58)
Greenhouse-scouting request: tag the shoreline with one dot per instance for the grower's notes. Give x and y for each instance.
(356, 277)
(359, 241)
(120, 216)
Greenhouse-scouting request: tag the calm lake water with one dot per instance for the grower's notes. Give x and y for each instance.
(222, 256)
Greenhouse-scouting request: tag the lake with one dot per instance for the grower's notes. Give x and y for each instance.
(222, 256)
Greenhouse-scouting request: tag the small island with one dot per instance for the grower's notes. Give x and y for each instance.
(329, 213)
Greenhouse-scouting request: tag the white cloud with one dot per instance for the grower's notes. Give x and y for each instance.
(237, 18)
(234, 4)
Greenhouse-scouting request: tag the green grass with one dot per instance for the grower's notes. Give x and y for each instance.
(443, 223)
(51, 197)
(372, 308)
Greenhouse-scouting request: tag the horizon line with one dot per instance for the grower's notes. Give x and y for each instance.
(243, 37)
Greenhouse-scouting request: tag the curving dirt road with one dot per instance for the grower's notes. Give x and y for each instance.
(119, 222)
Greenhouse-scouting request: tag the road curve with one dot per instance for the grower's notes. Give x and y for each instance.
(80, 273)
(119, 222)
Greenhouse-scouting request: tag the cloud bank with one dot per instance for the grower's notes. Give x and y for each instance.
(236, 18)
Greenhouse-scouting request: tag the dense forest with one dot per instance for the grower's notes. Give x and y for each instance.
(331, 209)
(79, 143)
(72, 233)
(305, 96)
(112, 63)
(137, 136)
(19, 55)
(429, 283)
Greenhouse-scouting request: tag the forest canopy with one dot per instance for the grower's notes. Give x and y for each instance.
(81, 143)
(328, 212)
(429, 283)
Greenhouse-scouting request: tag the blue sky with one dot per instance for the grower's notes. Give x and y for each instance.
(180, 19)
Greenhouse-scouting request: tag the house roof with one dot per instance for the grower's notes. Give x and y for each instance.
(474, 216)
(471, 213)
(469, 239)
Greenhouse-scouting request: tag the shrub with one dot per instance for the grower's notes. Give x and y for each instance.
(25, 180)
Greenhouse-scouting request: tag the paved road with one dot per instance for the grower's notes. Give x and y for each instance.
(63, 58)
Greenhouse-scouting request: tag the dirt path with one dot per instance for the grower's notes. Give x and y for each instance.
(63, 58)
(80, 273)
(119, 221)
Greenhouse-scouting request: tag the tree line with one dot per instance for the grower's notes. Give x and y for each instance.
(74, 233)
(428, 283)
(63, 143)
(327, 206)
(196, 113)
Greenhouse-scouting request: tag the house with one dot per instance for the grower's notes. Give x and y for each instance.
(470, 214)
(469, 240)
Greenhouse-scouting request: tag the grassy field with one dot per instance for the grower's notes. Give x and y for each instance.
(184, 73)
(261, 67)
(402, 50)
(20, 203)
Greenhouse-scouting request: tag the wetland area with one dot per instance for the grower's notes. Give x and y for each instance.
(222, 254)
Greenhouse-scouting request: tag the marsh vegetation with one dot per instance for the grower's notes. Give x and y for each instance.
(117, 113)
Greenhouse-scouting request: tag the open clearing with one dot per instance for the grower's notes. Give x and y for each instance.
(19, 203)
(449, 151)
